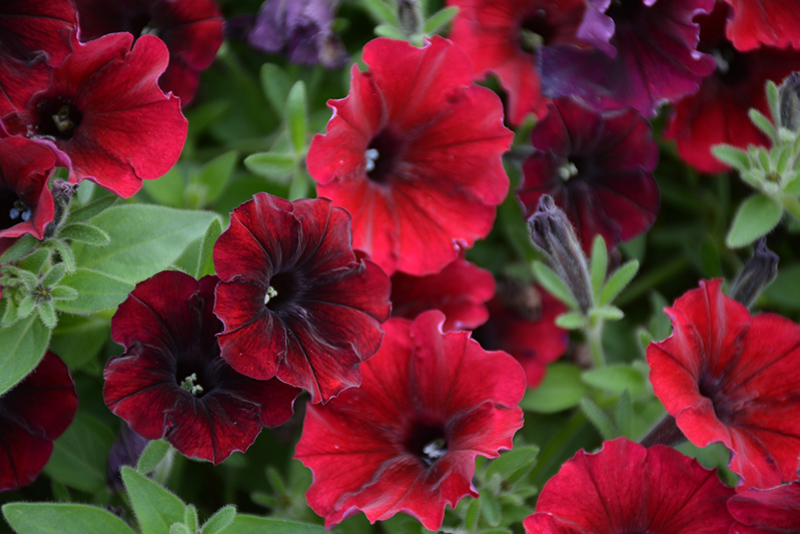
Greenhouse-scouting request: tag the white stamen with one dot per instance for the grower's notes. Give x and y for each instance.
(567, 171)
(723, 65)
(372, 156)
(271, 294)
(189, 384)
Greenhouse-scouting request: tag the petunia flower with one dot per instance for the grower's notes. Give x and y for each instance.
(505, 37)
(718, 112)
(731, 378)
(413, 153)
(522, 322)
(106, 111)
(191, 29)
(774, 23)
(407, 439)
(171, 382)
(774, 510)
(647, 60)
(296, 301)
(32, 415)
(460, 291)
(598, 167)
(626, 487)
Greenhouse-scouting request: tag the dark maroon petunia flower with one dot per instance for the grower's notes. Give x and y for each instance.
(522, 322)
(191, 29)
(597, 167)
(413, 153)
(296, 301)
(763, 511)
(407, 439)
(626, 487)
(718, 112)
(731, 378)
(460, 291)
(32, 415)
(764, 22)
(650, 60)
(106, 111)
(505, 36)
(171, 382)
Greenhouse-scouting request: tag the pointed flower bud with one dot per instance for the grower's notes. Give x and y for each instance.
(759, 272)
(789, 102)
(554, 235)
(409, 13)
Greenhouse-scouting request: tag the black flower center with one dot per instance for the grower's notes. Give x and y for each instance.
(712, 390)
(427, 442)
(12, 209)
(59, 118)
(193, 377)
(624, 9)
(731, 65)
(283, 290)
(535, 31)
(382, 156)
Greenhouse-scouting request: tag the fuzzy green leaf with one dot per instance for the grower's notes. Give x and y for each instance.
(571, 320)
(96, 291)
(599, 419)
(297, 116)
(561, 389)
(512, 461)
(554, 285)
(220, 520)
(763, 124)
(91, 209)
(599, 265)
(273, 165)
(24, 344)
(79, 455)
(156, 508)
(153, 453)
(60, 518)
(440, 19)
(205, 262)
(618, 281)
(756, 216)
(730, 155)
(616, 379)
(85, 233)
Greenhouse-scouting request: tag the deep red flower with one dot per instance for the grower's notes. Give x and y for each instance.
(626, 487)
(731, 378)
(460, 291)
(32, 415)
(191, 29)
(413, 153)
(407, 439)
(650, 60)
(504, 37)
(763, 22)
(717, 113)
(295, 300)
(765, 511)
(106, 111)
(598, 167)
(171, 382)
(522, 322)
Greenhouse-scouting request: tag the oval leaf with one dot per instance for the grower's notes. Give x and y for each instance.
(79, 455)
(757, 216)
(616, 379)
(47, 518)
(96, 291)
(561, 389)
(24, 344)
(156, 508)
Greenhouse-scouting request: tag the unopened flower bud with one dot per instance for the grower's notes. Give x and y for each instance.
(759, 272)
(789, 102)
(409, 14)
(62, 192)
(554, 235)
(127, 447)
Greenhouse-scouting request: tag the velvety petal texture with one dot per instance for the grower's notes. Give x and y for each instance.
(413, 153)
(460, 291)
(295, 300)
(407, 439)
(764, 22)
(765, 511)
(598, 167)
(504, 37)
(171, 382)
(627, 488)
(32, 415)
(650, 60)
(731, 378)
(106, 111)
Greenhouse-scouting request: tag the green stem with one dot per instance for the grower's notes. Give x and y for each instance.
(594, 334)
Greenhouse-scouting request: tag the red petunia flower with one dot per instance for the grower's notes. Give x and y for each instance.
(649, 59)
(626, 487)
(731, 378)
(522, 322)
(763, 22)
(191, 29)
(171, 382)
(764, 511)
(598, 167)
(106, 111)
(32, 415)
(460, 291)
(413, 153)
(717, 113)
(504, 37)
(407, 439)
(295, 300)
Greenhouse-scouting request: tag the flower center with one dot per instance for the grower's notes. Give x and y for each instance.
(12, 209)
(624, 9)
(189, 385)
(567, 171)
(58, 118)
(712, 390)
(427, 442)
(731, 65)
(382, 156)
(535, 32)
(282, 291)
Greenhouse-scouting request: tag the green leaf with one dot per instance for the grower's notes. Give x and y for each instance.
(190, 518)
(554, 285)
(773, 100)
(730, 155)
(26, 306)
(66, 254)
(152, 455)
(599, 265)
(78, 339)
(250, 524)
(63, 293)
(168, 190)
(756, 216)
(496, 531)
(19, 249)
(35, 261)
(47, 313)
(54, 275)
(611, 313)
(599, 419)
(59, 518)
(625, 414)
(490, 509)
(512, 461)
(161, 235)
(561, 389)
(297, 116)
(272, 165)
(571, 320)
(85, 233)
(205, 261)
(156, 508)
(96, 291)
(618, 281)
(473, 515)
(763, 124)
(276, 84)
(440, 19)
(79, 455)
(91, 209)
(220, 520)
(392, 32)
(24, 344)
(215, 175)
(616, 379)
(380, 11)
(180, 528)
